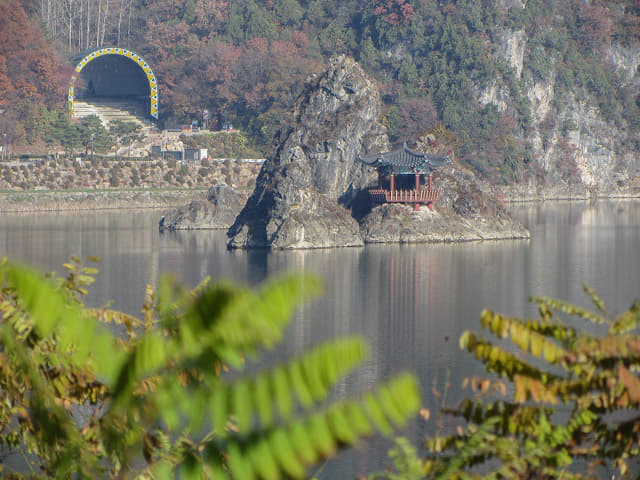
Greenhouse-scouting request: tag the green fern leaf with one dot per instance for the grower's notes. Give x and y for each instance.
(46, 306)
(285, 454)
(339, 425)
(390, 407)
(144, 359)
(405, 392)
(311, 367)
(376, 415)
(219, 408)
(301, 441)
(241, 404)
(627, 321)
(282, 393)
(264, 400)
(357, 419)
(595, 299)
(263, 460)
(250, 320)
(321, 435)
(299, 384)
(570, 309)
(240, 466)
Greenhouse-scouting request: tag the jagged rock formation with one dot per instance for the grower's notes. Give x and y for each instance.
(465, 212)
(307, 186)
(217, 210)
(311, 191)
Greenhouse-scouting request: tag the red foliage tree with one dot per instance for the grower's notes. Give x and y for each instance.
(31, 74)
(396, 12)
(596, 23)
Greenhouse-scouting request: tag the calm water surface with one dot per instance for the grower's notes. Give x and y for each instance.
(410, 302)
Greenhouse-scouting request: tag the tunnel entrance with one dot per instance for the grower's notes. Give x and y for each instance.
(114, 84)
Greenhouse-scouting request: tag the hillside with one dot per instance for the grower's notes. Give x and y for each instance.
(540, 92)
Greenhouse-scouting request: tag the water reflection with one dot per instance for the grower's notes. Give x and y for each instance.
(411, 302)
(589, 243)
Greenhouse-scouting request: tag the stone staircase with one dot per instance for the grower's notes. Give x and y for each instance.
(109, 110)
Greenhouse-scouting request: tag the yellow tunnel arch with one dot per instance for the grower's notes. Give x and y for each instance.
(153, 84)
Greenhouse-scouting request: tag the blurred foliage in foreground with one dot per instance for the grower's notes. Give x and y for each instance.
(562, 401)
(169, 394)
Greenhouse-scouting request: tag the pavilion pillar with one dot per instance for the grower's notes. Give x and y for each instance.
(416, 206)
(430, 203)
(393, 183)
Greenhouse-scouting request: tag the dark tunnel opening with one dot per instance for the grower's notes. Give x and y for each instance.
(112, 76)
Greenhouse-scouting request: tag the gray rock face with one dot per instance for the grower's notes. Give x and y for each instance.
(569, 128)
(395, 223)
(312, 189)
(465, 212)
(307, 186)
(217, 210)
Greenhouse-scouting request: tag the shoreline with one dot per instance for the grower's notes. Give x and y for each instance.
(69, 200)
(139, 199)
(585, 198)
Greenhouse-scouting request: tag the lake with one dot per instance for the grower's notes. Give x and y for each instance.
(410, 302)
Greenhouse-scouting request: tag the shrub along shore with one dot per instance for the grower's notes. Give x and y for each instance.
(105, 184)
(108, 199)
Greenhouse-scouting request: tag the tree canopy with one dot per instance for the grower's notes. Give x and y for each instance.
(246, 61)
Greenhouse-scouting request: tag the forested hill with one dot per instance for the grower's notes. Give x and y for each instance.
(517, 89)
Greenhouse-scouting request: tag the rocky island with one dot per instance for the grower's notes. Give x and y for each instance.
(312, 191)
(218, 209)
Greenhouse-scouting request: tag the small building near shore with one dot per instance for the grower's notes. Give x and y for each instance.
(191, 155)
(195, 154)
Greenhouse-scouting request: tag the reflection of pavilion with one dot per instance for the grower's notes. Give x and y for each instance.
(395, 184)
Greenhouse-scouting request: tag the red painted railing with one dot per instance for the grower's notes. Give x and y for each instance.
(426, 195)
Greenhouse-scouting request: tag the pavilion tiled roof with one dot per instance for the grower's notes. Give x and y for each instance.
(406, 160)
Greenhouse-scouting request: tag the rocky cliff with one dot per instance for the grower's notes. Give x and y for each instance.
(308, 186)
(311, 192)
(582, 147)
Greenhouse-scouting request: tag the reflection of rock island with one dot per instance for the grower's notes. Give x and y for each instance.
(333, 181)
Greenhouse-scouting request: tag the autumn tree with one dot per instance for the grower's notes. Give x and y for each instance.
(396, 12)
(246, 60)
(559, 400)
(31, 75)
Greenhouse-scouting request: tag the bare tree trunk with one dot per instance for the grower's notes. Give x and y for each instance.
(47, 13)
(88, 23)
(98, 24)
(54, 19)
(78, 25)
(129, 24)
(70, 25)
(120, 20)
(80, 30)
(104, 22)
(58, 17)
